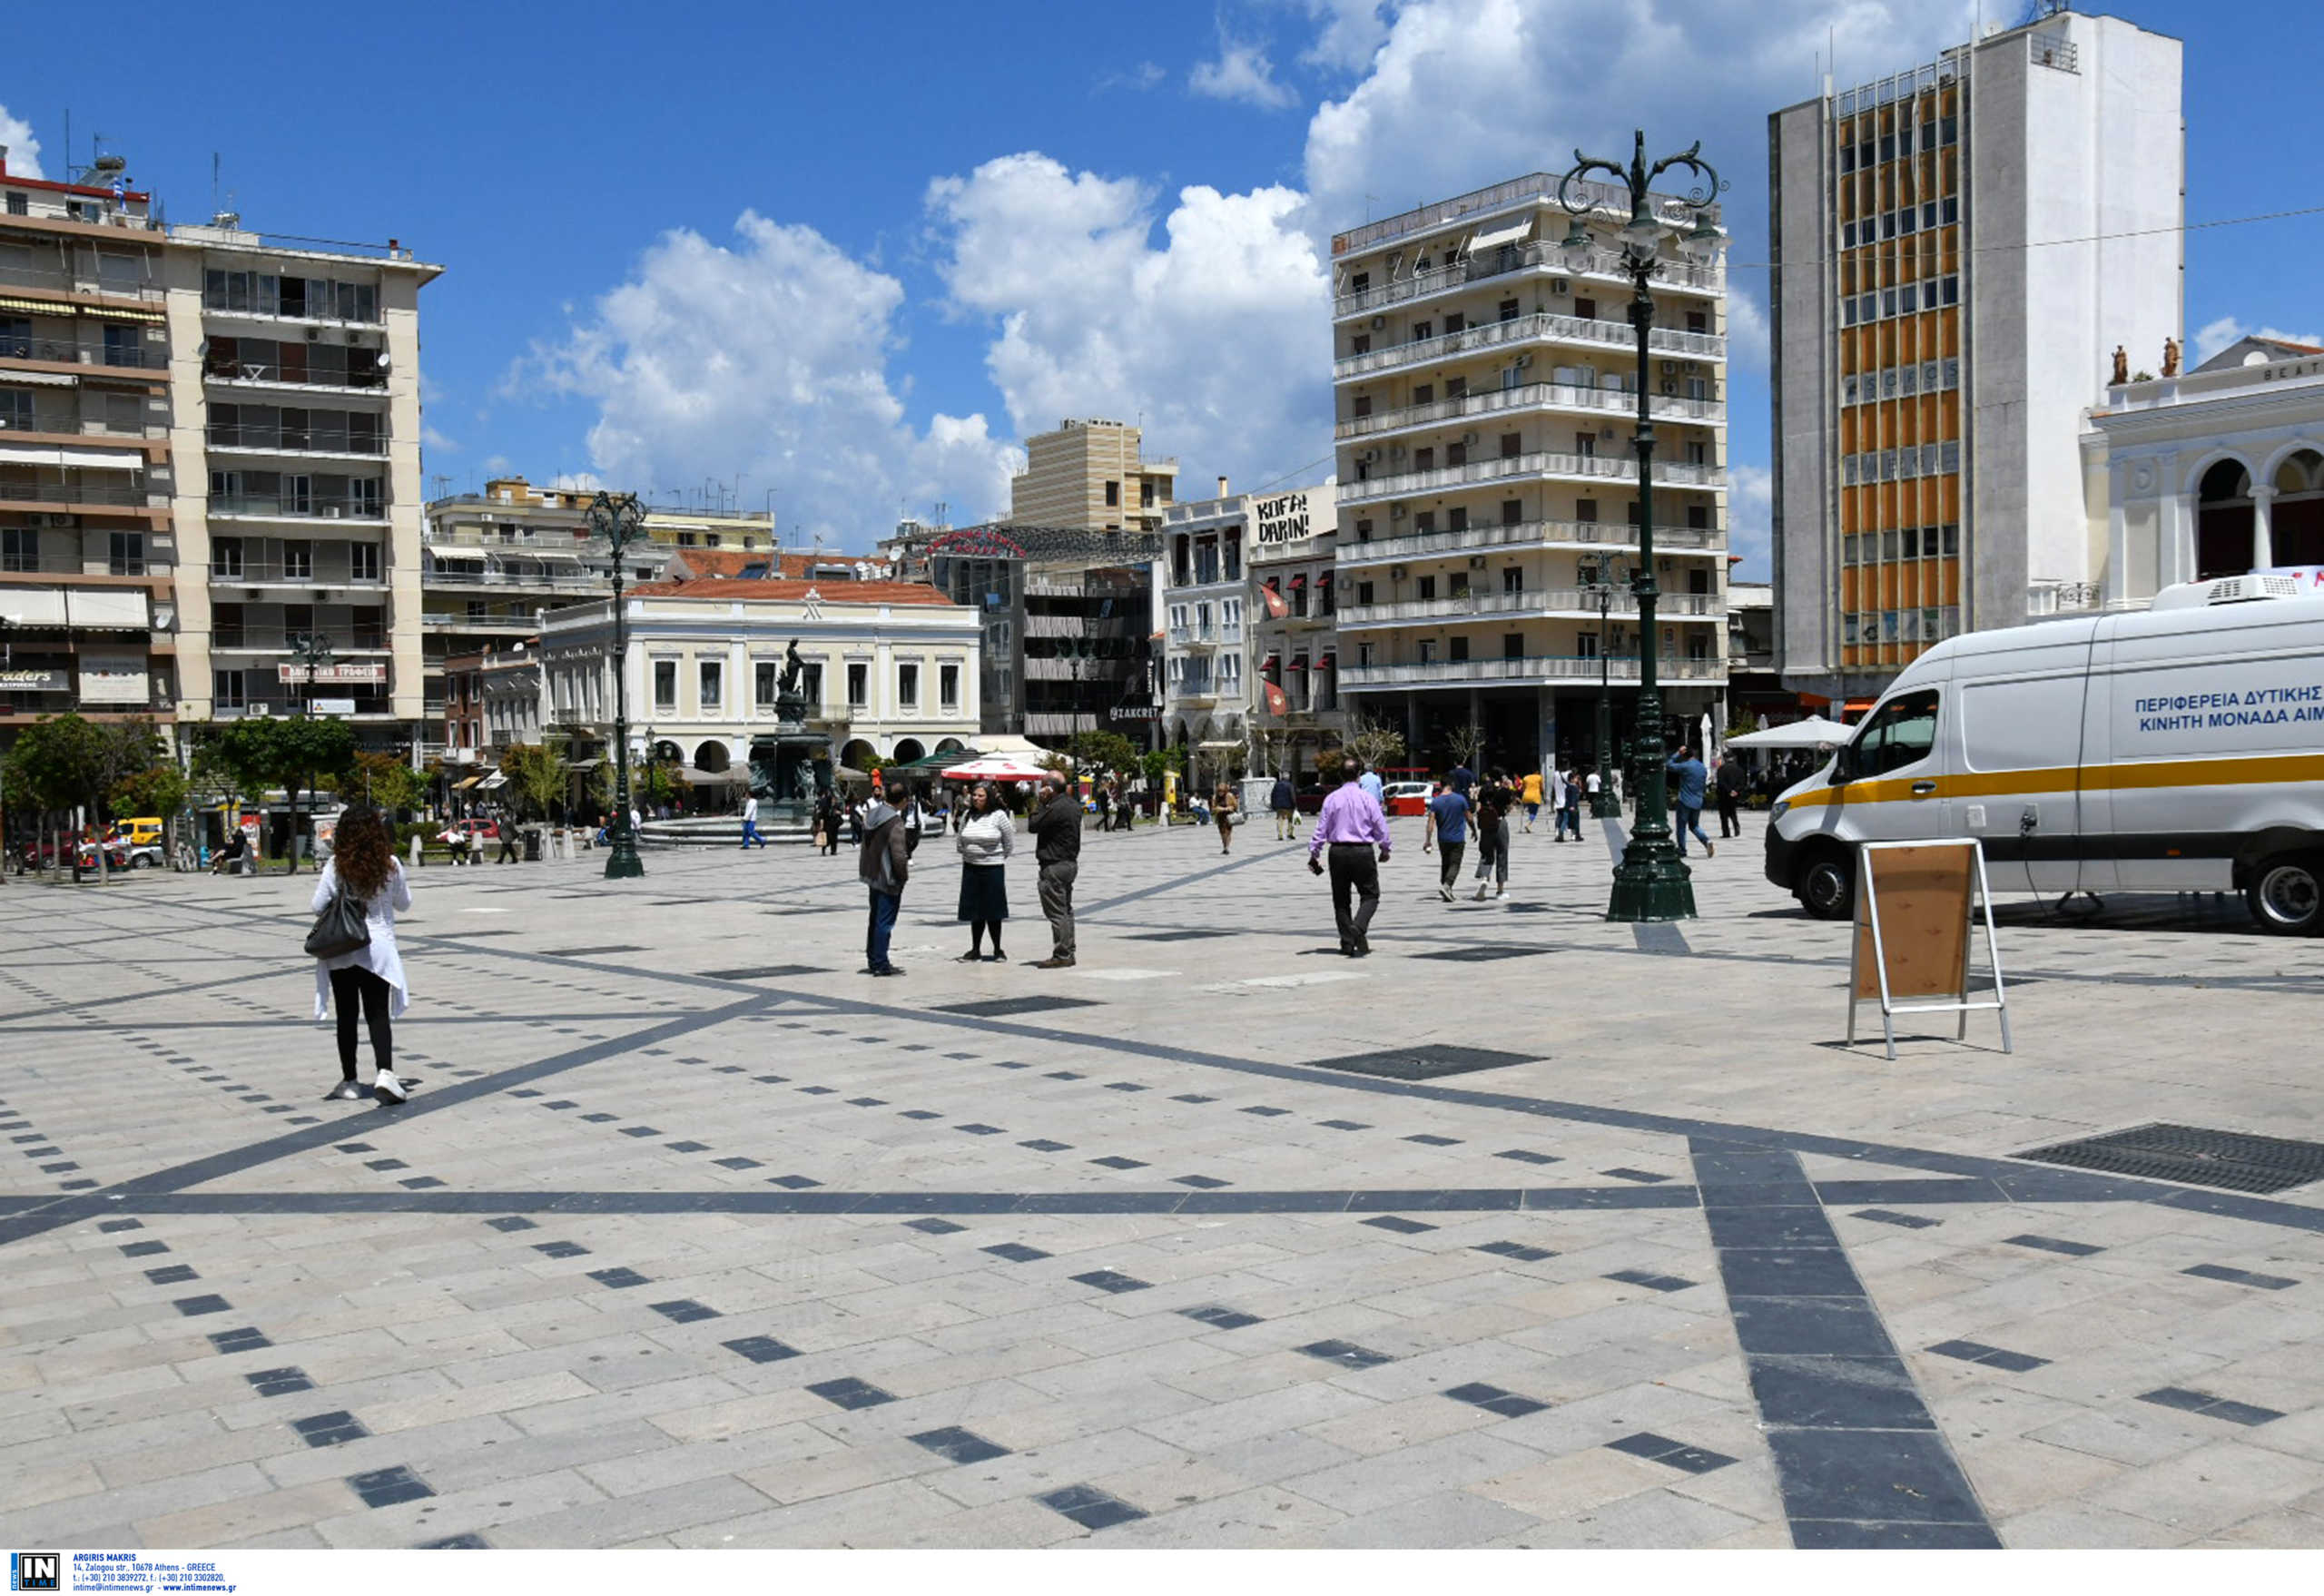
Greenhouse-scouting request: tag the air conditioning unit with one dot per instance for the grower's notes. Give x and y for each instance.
(1379, 321)
(1397, 573)
(1476, 562)
(1606, 432)
(1669, 367)
(1559, 285)
(1670, 387)
(1369, 457)
(1468, 439)
(1396, 512)
(1523, 361)
(1395, 452)
(314, 335)
(56, 519)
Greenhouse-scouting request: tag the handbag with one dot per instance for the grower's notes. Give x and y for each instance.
(340, 928)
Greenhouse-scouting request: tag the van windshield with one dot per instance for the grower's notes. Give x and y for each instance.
(1899, 733)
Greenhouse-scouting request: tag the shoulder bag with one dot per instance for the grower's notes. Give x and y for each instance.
(340, 928)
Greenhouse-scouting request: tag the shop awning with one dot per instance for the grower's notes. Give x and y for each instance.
(582, 765)
(37, 454)
(34, 307)
(463, 786)
(45, 379)
(1856, 706)
(496, 779)
(1501, 235)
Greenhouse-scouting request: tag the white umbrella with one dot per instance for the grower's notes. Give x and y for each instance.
(997, 767)
(1815, 731)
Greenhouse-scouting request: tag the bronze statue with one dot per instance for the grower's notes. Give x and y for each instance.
(794, 668)
(2122, 366)
(2171, 357)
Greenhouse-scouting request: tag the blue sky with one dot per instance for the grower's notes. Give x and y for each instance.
(852, 255)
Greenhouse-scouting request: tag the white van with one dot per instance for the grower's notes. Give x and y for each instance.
(2181, 749)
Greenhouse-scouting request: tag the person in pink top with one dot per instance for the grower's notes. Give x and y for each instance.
(1351, 825)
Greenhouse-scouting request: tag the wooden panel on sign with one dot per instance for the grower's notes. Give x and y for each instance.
(1923, 893)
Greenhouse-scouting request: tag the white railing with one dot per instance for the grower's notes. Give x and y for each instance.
(1705, 346)
(1539, 185)
(1537, 601)
(1555, 667)
(1558, 395)
(1596, 467)
(1535, 533)
(1537, 255)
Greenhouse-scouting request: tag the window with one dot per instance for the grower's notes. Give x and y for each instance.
(1426, 650)
(1512, 578)
(1899, 733)
(127, 557)
(1457, 586)
(298, 560)
(666, 686)
(19, 203)
(859, 684)
(1456, 519)
(1423, 330)
(907, 686)
(363, 562)
(1513, 511)
(1361, 344)
(811, 684)
(226, 557)
(1512, 444)
(1423, 393)
(1360, 281)
(766, 682)
(1698, 517)
(226, 689)
(1585, 510)
(1697, 454)
(948, 686)
(1454, 322)
(1585, 444)
(710, 540)
(1456, 648)
(1427, 587)
(1424, 458)
(1456, 454)
(1363, 593)
(1364, 530)
(1456, 388)
(19, 549)
(1509, 310)
(16, 408)
(1697, 321)
(1586, 309)
(1146, 493)
(1363, 654)
(1113, 494)
(1361, 404)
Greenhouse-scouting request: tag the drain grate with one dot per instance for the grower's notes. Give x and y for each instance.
(2227, 1159)
(1425, 1062)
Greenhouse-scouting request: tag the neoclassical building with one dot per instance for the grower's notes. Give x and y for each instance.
(2212, 473)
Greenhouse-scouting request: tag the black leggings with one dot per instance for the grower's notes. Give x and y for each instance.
(350, 986)
(977, 931)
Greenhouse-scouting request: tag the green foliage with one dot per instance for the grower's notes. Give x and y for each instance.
(653, 781)
(1108, 751)
(380, 780)
(258, 752)
(157, 790)
(1328, 765)
(61, 762)
(538, 776)
(1157, 762)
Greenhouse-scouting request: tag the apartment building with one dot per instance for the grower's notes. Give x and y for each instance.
(688, 527)
(89, 555)
(1203, 605)
(1486, 397)
(1958, 248)
(1091, 474)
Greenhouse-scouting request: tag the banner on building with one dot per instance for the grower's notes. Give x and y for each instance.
(355, 673)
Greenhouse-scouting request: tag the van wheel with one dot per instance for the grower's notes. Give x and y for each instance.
(2286, 895)
(1827, 888)
(139, 862)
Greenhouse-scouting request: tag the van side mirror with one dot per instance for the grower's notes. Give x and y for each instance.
(1843, 764)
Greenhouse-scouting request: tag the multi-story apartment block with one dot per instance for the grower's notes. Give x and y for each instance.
(1957, 251)
(685, 526)
(89, 544)
(1089, 474)
(1485, 399)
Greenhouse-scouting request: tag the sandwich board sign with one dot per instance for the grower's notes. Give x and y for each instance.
(1915, 908)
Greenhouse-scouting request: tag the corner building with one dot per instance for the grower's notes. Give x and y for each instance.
(1485, 405)
(1957, 251)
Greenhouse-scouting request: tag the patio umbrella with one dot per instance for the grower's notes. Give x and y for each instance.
(1812, 733)
(996, 767)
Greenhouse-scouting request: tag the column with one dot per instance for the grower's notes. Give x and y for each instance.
(2263, 540)
(2176, 556)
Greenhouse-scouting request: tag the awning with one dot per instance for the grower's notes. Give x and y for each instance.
(496, 779)
(47, 378)
(37, 454)
(464, 786)
(34, 307)
(1330, 662)
(1501, 235)
(581, 764)
(1300, 580)
(1271, 661)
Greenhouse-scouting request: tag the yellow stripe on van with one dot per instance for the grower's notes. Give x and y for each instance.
(2247, 771)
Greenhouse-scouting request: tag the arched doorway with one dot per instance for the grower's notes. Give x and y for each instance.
(2296, 520)
(909, 749)
(2223, 521)
(952, 745)
(711, 757)
(858, 755)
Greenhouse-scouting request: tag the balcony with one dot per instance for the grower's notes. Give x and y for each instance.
(276, 640)
(526, 581)
(296, 440)
(1550, 259)
(1381, 551)
(56, 279)
(258, 573)
(15, 490)
(1539, 327)
(62, 421)
(67, 351)
(1537, 670)
(1606, 468)
(273, 507)
(1198, 636)
(269, 374)
(509, 625)
(1531, 603)
(1556, 396)
(1200, 693)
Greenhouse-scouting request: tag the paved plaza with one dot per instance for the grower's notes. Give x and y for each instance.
(691, 1235)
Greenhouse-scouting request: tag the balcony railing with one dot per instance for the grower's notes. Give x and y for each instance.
(1558, 395)
(1501, 262)
(21, 492)
(298, 439)
(77, 352)
(1381, 551)
(554, 539)
(262, 573)
(1501, 196)
(1538, 601)
(271, 373)
(534, 581)
(274, 639)
(1550, 667)
(68, 423)
(293, 506)
(1539, 325)
(504, 622)
(59, 280)
(1596, 467)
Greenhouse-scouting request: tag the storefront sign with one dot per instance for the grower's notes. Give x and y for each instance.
(114, 678)
(371, 671)
(34, 682)
(1282, 519)
(334, 706)
(1136, 712)
(977, 545)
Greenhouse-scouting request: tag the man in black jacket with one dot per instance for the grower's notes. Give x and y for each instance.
(883, 866)
(1056, 825)
(1728, 785)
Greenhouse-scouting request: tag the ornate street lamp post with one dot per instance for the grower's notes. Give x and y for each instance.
(1604, 805)
(313, 651)
(1650, 883)
(618, 518)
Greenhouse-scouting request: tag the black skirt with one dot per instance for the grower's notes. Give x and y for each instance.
(984, 895)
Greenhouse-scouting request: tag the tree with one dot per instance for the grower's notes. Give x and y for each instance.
(160, 789)
(1108, 751)
(381, 780)
(1155, 763)
(1375, 742)
(258, 752)
(1465, 742)
(67, 761)
(537, 775)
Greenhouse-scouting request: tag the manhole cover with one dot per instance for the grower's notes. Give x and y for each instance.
(2227, 1159)
(763, 972)
(1479, 955)
(989, 1008)
(1425, 1063)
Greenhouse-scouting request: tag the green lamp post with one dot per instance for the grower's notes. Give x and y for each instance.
(618, 518)
(1652, 883)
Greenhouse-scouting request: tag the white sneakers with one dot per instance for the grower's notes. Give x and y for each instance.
(388, 1090)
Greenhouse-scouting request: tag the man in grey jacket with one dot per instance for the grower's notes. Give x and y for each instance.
(1056, 825)
(883, 866)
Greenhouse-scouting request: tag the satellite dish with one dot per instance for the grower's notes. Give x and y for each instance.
(384, 362)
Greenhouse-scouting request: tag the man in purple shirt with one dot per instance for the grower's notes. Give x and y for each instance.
(1351, 825)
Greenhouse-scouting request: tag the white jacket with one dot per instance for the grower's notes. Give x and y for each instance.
(985, 839)
(380, 958)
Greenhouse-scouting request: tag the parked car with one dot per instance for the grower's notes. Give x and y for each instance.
(475, 829)
(1405, 798)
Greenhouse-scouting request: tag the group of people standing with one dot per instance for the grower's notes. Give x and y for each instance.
(985, 839)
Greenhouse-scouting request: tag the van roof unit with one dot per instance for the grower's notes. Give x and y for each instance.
(2246, 589)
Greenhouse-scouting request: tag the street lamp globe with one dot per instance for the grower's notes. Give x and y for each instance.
(1577, 243)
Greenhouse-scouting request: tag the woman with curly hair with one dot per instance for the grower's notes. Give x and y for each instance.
(363, 863)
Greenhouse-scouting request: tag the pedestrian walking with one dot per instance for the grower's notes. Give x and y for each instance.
(1495, 799)
(1282, 802)
(915, 819)
(1056, 825)
(883, 866)
(1351, 825)
(1555, 791)
(1462, 781)
(1535, 790)
(984, 839)
(369, 977)
(1570, 799)
(1692, 779)
(827, 822)
(1369, 780)
(1730, 798)
(751, 822)
(1447, 835)
(1104, 798)
(855, 823)
(1590, 788)
(1223, 806)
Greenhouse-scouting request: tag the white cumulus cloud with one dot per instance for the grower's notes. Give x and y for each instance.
(2215, 336)
(1347, 34)
(1242, 72)
(24, 150)
(767, 355)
